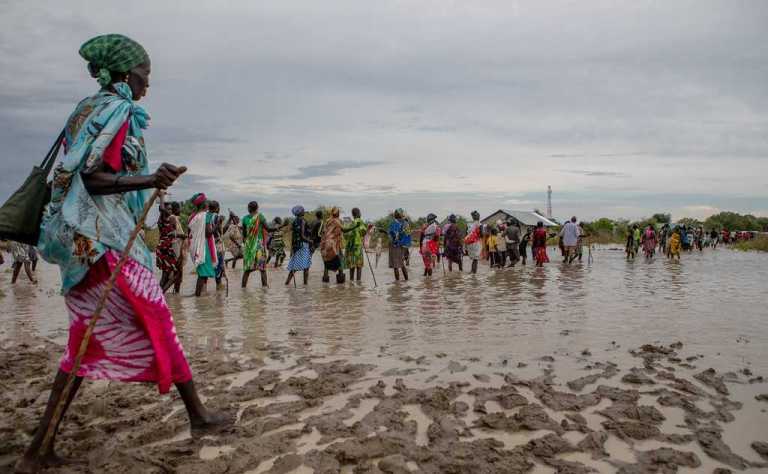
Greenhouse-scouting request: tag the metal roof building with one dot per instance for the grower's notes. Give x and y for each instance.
(526, 218)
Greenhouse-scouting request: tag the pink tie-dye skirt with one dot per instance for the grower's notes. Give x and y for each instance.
(135, 339)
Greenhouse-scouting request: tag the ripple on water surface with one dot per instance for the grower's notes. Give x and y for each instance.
(713, 301)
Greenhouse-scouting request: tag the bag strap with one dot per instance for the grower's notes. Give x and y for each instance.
(50, 158)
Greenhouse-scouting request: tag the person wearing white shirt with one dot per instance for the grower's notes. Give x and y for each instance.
(570, 234)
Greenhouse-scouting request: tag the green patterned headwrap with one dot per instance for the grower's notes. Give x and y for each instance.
(112, 52)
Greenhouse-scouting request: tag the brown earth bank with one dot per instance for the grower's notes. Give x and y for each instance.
(660, 410)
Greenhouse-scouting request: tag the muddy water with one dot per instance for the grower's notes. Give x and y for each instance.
(322, 378)
(713, 302)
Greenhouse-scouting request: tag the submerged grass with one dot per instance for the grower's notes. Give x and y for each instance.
(759, 244)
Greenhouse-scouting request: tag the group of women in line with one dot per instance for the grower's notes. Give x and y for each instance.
(342, 246)
(669, 241)
(256, 241)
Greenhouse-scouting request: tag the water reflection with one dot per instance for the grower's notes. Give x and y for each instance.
(709, 300)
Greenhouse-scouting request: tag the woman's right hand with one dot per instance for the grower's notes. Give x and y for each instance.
(166, 175)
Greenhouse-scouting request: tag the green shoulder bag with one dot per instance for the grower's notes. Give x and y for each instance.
(21, 214)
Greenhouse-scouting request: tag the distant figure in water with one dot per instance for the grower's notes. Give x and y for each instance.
(233, 239)
(301, 255)
(493, 254)
(429, 243)
(569, 237)
(454, 246)
(512, 239)
(474, 241)
(539, 246)
(580, 243)
(217, 223)
(354, 236)
(20, 254)
(663, 238)
(398, 239)
(649, 241)
(181, 246)
(330, 247)
(276, 243)
(699, 238)
(524, 241)
(675, 245)
(202, 248)
(166, 256)
(631, 247)
(316, 231)
(407, 240)
(255, 234)
(501, 246)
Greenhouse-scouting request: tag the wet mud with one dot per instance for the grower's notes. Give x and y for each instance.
(614, 367)
(328, 415)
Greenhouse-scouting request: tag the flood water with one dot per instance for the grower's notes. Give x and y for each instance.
(714, 302)
(454, 328)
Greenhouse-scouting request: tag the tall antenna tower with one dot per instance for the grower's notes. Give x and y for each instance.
(549, 202)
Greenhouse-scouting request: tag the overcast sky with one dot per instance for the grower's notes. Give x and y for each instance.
(624, 108)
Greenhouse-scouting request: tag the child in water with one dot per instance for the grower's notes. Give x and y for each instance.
(493, 255)
(276, 243)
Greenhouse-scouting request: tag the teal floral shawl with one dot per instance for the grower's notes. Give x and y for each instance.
(77, 227)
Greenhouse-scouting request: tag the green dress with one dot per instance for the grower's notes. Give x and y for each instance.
(254, 251)
(354, 235)
(207, 270)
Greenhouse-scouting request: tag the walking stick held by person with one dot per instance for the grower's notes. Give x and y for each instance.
(163, 178)
(366, 246)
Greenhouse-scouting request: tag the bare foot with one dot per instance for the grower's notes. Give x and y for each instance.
(212, 421)
(28, 465)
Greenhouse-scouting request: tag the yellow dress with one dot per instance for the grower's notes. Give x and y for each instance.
(674, 245)
(491, 242)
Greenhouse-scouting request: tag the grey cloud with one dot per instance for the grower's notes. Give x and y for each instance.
(598, 174)
(357, 188)
(602, 155)
(331, 168)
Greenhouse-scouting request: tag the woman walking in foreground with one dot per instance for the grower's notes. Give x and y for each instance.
(99, 190)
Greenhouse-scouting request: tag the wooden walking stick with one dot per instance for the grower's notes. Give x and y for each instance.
(50, 431)
(370, 267)
(366, 246)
